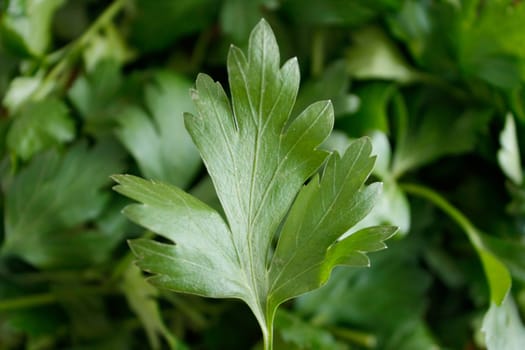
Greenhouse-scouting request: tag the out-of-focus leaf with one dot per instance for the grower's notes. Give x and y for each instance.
(337, 12)
(153, 28)
(107, 45)
(48, 202)
(7, 68)
(491, 41)
(382, 149)
(38, 126)
(160, 144)
(509, 152)
(392, 208)
(428, 30)
(497, 275)
(26, 25)
(238, 17)
(371, 114)
(36, 324)
(295, 334)
(441, 131)
(4, 127)
(503, 327)
(21, 90)
(511, 253)
(95, 91)
(87, 314)
(412, 336)
(356, 296)
(141, 297)
(333, 85)
(374, 56)
(413, 23)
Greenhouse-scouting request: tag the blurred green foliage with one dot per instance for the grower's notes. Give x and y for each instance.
(90, 88)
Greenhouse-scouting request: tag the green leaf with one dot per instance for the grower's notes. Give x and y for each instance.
(503, 327)
(491, 42)
(374, 56)
(238, 17)
(27, 24)
(48, 202)
(323, 212)
(336, 12)
(38, 126)
(95, 90)
(372, 114)
(296, 334)
(509, 152)
(20, 91)
(356, 296)
(259, 160)
(333, 85)
(161, 145)
(440, 131)
(148, 30)
(141, 297)
(497, 275)
(511, 253)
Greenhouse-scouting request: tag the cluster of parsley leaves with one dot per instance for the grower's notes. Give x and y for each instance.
(253, 192)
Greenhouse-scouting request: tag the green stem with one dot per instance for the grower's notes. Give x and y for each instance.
(317, 53)
(362, 339)
(71, 51)
(35, 300)
(449, 209)
(27, 301)
(268, 335)
(497, 274)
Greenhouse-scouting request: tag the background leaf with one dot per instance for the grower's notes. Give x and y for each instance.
(26, 25)
(39, 126)
(53, 237)
(161, 145)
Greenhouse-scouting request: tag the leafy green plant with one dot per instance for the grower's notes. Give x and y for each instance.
(90, 88)
(259, 158)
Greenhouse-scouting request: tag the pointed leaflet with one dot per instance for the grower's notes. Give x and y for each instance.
(258, 160)
(323, 212)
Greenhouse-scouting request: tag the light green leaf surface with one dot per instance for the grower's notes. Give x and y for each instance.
(259, 159)
(94, 91)
(393, 207)
(21, 90)
(372, 113)
(38, 126)
(509, 152)
(27, 24)
(296, 334)
(141, 297)
(42, 226)
(503, 327)
(374, 56)
(160, 144)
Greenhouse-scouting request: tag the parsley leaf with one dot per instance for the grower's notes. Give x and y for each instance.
(56, 234)
(259, 160)
(160, 144)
